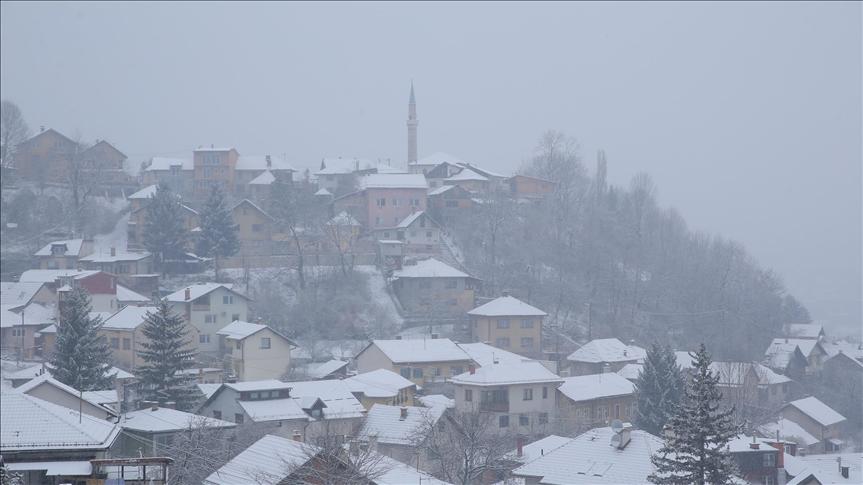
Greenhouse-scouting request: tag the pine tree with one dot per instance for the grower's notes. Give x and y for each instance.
(695, 450)
(166, 353)
(218, 238)
(164, 233)
(659, 389)
(81, 358)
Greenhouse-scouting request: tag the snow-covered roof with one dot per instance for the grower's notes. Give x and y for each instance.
(16, 293)
(265, 178)
(440, 190)
(630, 371)
(51, 275)
(817, 410)
(262, 385)
(165, 163)
(421, 350)
(804, 330)
(37, 370)
(73, 247)
(259, 162)
(789, 431)
(239, 330)
(125, 295)
(106, 397)
(485, 354)
(594, 386)
(326, 368)
(436, 401)
(199, 290)
(589, 459)
(507, 306)
(429, 268)
(49, 329)
(336, 395)
(32, 424)
(273, 410)
(267, 461)
(607, 350)
(538, 448)
(145, 193)
(106, 257)
(344, 219)
(393, 181)
(467, 175)
(805, 345)
(741, 444)
(386, 422)
(779, 353)
(208, 389)
(32, 314)
(379, 383)
(438, 158)
(323, 191)
(394, 472)
(766, 376)
(825, 468)
(529, 372)
(482, 171)
(339, 165)
(852, 349)
(684, 359)
(165, 420)
(47, 380)
(128, 318)
(410, 219)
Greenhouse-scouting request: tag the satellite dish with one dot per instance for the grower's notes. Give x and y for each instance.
(615, 440)
(617, 426)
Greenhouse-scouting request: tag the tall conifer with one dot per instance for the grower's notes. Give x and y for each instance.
(81, 358)
(166, 353)
(659, 389)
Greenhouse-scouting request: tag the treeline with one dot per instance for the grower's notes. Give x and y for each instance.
(608, 261)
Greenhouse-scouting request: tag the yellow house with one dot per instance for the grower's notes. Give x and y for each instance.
(124, 333)
(382, 386)
(257, 351)
(255, 228)
(422, 361)
(510, 324)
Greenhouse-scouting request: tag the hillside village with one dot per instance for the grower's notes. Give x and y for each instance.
(353, 335)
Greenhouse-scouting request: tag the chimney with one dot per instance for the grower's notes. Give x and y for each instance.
(845, 471)
(269, 161)
(171, 404)
(113, 251)
(188, 294)
(41, 129)
(625, 436)
(471, 369)
(398, 337)
(297, 436)
(154, 406)
(403, 413)
(434, 336)
(519, 447)
(753, 446)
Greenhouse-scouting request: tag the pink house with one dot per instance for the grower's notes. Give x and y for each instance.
(385, 199)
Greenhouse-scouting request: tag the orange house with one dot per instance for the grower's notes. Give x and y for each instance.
(214, 167)
(527, 187)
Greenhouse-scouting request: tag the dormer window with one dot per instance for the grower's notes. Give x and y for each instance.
(58, 249)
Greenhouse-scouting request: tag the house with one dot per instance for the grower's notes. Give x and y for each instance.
(819, 420)
(104, 160)
(397, 431)
(118, 376)
(124, 333)
(342, 232)
(758, 460)
(447, 202)
(434, 288)
(18, 294)
(483, 354)
(418, 232)
(531, 188)
(598, 456)
(842, 374)
(384, 199)
(496, 182)
(63, 254)
(423, 361)
(852, 349)
(136, 225)
(835, 468)
(209, 307)
(120, 263)
(101, 286)
(51, 390)
(339, 175)
(382, 386)
(48, 443)
(809, 331)
(604, 355)
(791, 432)
(751, 384)
(331, 369)
(256, 351)
(19, 326)
(178, 174)
(811, 350)
(470, 180)
(520, 397)
(441, 171)
(254, 229)
(255, 173)
(428, 165)
(45, 156)
(153, 430)
(508, 323)
(594, 400)
(786, 358)
(215, 168)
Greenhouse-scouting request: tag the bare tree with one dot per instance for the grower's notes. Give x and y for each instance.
(336, 459)
(201, 449)
(13, 131)
(295, 210)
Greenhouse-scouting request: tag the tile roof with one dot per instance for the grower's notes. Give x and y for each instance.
(273, 410)
(126, 295)
(145, 193)
(394, 472)
(106, 257)
(421, 350)
(429, 268)
(485, 354)
(789, 431)
(199, 290)
(530, 372)
(51, 275)
(440, 190)
(128, 318)
(16, 293)
(593, 386)
(631, 371)
(467, 175)
(74, 394)
(507, 306)
(607, 350)
(327, 368)
(806, 346)
(32, 314)
(538, 448)
(73, 247)
(825, 468)
(265, 178)
(164, 420)
(267, 461)
(239, 330)
(386, 422)
(336, 395)
(817, 410)
(436, 401)
(208, 389)
(380, 383)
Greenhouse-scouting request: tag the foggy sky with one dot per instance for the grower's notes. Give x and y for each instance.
(748, 116)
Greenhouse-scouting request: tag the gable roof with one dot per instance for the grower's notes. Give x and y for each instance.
(429, 268)
(32, 314)
(265, 178)
(336, 395)
(125, 295)
(438, 158)
(128, 318)
(267, 461)
(48, 131)
(394, 472)
(106, 257)
(51, 275)
(386, 423)
(507, 306)
(529, 372)
(17, 293)
(48, 380)
(31, 424)
(804, 330)
(339, 165)
(283, 409)
(105, 144)
(630, 371)
(407, 221)
(779, 354)
(806, 346)
(440, 190)
(538, 448)
(239, 330)
(482, 171)
(165, 163)
(420, 350)
(465, 175)
(607, 350)
(485, 354)
(37, 370)
(327, 368)
(379, 383)
(788, 430)
(817, 411)
(253, 205)
(594, 386)
(199, 290)
(393, 181)
(166, 420)
(73, 247)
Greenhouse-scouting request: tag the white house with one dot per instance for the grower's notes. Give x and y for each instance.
(209, 307)
(257, 351)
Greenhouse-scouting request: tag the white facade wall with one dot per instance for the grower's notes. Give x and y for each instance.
(220, 312)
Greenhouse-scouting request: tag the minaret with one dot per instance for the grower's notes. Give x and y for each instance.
(412, 128)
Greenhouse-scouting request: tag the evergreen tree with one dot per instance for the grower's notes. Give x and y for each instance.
(164, 233)
(81, 358)
(166, 352)
(659, 389)
(218, 238)
(696, 437)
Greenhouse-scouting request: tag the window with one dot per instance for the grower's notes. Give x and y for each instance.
(545, 392)
(127, 344)
(395, 202)
(254, 396)
(204, 338)
(17, 332)
(617, 411)
(502, 342)
(415, 202)
(405, 372)
(523, 420)
(239, 344)
(217, 414)
(418, 373)
(503, 421)
(503, 323)
(377, 221)
(527, 323)
(528, 395)
(769, 480)
(468, 395)
(265, 342)
(428, 234)
(235, 317)
(115, 343)
(228, 300)
(382, 202)
(210, 318)
(527, 342)
(543, 418)
(769, 460)
(582, 414)
(451, 284)
(238, 418)
(455, 370)
(452, 203)
(436, 372)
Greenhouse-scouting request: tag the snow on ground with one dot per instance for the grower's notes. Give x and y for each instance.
(10, 367)
(380, 295)
(117, 238)
(453, 248)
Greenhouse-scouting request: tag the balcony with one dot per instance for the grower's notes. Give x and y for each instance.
(494, 406)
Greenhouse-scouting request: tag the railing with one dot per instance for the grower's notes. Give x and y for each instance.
(499, 407)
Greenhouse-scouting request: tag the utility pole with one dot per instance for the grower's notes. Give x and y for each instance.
(20, 352)
(589, 323)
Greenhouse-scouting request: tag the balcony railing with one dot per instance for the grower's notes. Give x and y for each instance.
(493, 406)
